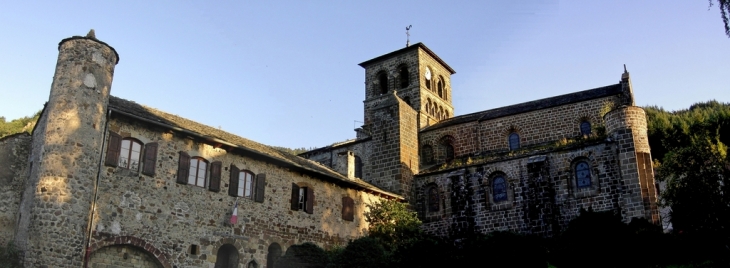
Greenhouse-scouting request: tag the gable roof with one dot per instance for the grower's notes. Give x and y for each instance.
(524, 107)
(241, 145)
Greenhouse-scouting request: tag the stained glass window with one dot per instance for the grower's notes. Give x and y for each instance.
(499, 189)
(514, 141)
(585, 128)
(583, 174)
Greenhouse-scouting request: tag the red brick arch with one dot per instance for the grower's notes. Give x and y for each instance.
(133, 241)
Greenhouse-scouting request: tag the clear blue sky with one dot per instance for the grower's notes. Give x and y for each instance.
(285, 72)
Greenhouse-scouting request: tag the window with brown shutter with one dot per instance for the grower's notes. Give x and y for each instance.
(112, 150)
(260, 187)
(294, 196)
(233, 183)
(150, 159)
(183, 167)
(215, 176)
(348, 208)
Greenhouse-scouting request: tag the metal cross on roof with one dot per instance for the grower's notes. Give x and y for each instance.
(408, 36)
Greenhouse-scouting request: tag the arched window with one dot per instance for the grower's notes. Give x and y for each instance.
(582, 174)
(427, 154)
(358, 167)
(245, 184)
(585, 128)
(198, 170)
(383, 82)
(273, 255)
(514, 141)
(227, 257)
(499, 189)
(449, 151)
(427, 77)
(428, 106)
(405, 79)
(441, 88)
(433, 199)
(130, 153)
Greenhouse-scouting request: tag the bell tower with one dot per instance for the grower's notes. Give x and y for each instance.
(405, 90)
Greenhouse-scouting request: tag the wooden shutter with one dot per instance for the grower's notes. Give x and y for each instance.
(348, 208)
(260, 187)
(233, 184)
(310, 200)
(215, 176)
(183, 167)
(112, 151)
(294, 197)
(150, 159)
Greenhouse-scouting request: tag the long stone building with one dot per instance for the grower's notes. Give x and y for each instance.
(107, 182)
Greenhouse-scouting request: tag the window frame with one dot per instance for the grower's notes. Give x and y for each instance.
(243, 184)
(382, 78)
(129, 151)
(499, 204)
(427, 154)
(404, 76)
(502, 195)
(433, 199)
(587, 190)
(197, 177)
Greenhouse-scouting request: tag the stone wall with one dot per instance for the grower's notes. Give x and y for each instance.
(14, 151)
(172, 217)
(122, 256)
(542, 193)
(534, 128)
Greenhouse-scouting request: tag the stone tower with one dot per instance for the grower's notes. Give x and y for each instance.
(405, 90)
(54, 220)
(627, 126)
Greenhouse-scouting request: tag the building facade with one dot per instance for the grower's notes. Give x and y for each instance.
(104, 181)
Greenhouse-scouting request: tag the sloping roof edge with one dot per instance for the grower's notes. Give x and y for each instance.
(540, 104)
(281, 161)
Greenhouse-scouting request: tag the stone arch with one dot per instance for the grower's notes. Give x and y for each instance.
(273, 254)
(123, 256)
(227, 257)
(448, 144)
(404, 76)
(381, 85)
(158, 255)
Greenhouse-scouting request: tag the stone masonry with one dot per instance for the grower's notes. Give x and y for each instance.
(107, 182)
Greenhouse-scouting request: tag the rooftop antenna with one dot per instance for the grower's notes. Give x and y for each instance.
(408, 36)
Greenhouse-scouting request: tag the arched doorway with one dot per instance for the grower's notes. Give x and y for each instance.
(123, 256)
(273, 255)
(227, 257)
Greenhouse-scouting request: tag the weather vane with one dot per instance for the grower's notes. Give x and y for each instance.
(408, 36)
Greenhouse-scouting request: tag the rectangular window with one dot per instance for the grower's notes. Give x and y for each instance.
(302, 198)
(198, 169)
(245, 184)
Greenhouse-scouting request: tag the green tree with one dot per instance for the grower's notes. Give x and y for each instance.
(393, 223)
(698, 187)
(23, 124)
(724, 10)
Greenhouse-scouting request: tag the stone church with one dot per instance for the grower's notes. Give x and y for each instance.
(107, 182)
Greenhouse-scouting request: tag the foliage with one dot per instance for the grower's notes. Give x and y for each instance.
(724, 10)
(9, 256)
(698, 183)
(392, 222)
(23, 124)
(668, 130)
(362, 252)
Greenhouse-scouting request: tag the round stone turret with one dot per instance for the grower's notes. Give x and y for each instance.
(65, 156)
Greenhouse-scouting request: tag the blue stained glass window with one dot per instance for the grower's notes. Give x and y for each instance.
(585, 128)
(583, 174)
(499, 189)
(514, 141)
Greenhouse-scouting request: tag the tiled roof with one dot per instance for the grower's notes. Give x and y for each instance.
(246, 146)
(530, 106)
